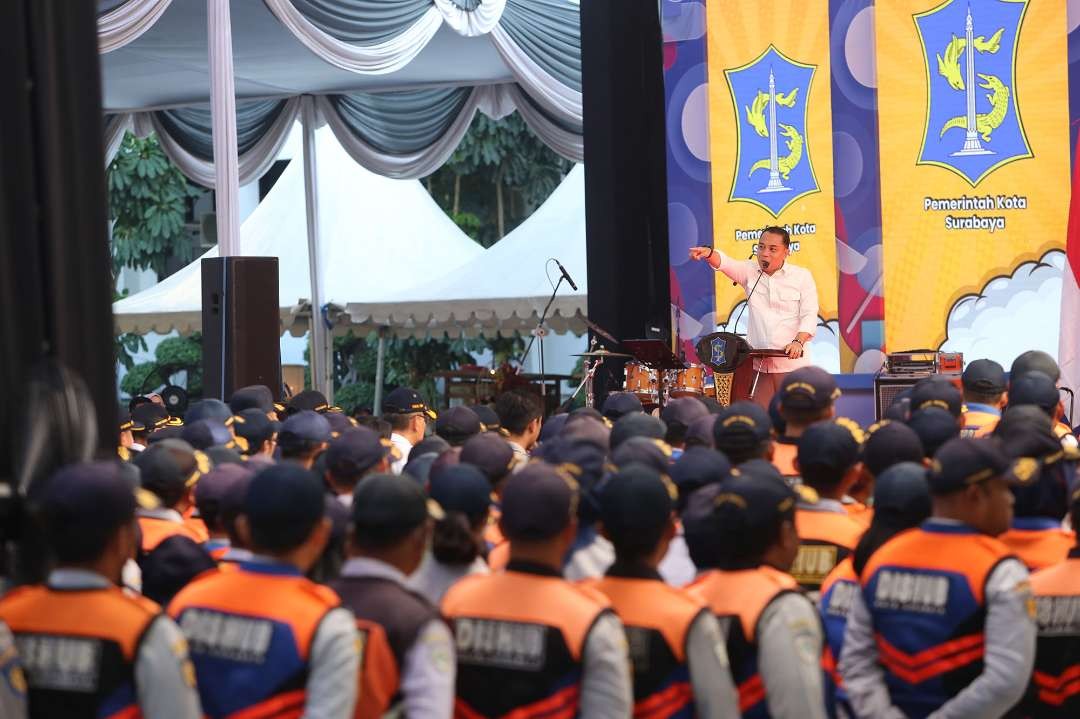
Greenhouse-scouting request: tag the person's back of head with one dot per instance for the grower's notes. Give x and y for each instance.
(304, 435)
(636, 510)
(211, 490)
(620, 404)
(890, 442)
(376, 424)
(492, 455)
(901, 501)
(678, 415)
(1034, 360)
(935, 426)
(697, 467)
(827, 454)
(355, 453)
(937, 392)
(700, 432)
(391, 521)
(984, 382)
(647, 451)
(539, 514)
(743, 431)
(585, 461)
(520, 414)
(457, 425)
(807, 395)
(636, 425)
(1037, 389)
(285, 514)
(464, 494)
(170, 469)
(970, 482)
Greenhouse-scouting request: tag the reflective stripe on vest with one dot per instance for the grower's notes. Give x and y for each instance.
(250, 633)
(925, 592)
(530, 647)
(1056, 679)
(78, 648)
(657, 619)
(738, 599)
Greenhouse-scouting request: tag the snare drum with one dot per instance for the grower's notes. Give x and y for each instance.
(689, 382)
(643, 381)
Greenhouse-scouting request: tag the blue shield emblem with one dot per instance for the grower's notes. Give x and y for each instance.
(718, 346)
(773, 167)
(973, 124)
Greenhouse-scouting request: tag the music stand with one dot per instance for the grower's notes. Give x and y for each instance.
(655, 353)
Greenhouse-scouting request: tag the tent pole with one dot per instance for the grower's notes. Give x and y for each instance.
(319, 358)
(223, 120)
(380, 370)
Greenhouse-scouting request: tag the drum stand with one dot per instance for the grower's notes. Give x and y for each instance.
(587, 380)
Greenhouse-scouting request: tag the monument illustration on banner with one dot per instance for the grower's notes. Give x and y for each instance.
(968, 62)
(763, 119)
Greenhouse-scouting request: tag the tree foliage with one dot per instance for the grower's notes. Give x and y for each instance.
(148, 202)
(499, 174)
(171, 357)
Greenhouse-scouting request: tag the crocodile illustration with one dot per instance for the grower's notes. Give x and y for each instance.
(990, 121)
(755, 113)
(949, 66)
(788, 162)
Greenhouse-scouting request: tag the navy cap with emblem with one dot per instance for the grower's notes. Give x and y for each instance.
(962, 462)
(741, 426)
(256, 396)
(219, 482)
(387, 505)
(636, 498)
(636, 425)
(309, 399)
(619, 404)
(651, 452)
(586, 462)
(538, 502)
(457, 424)
(356, 451)
(304, 426)
(491, 454)
(697, 467)
(163, 433)
(284, 495)
(700, 431)
(170, 466)
(462, 488)
(206, 433)
(935, 426)
(255, 427)
(683, 410)
(404, 400)
(808, 388)
(150, 415)
(902, 489)
(130, 424)
(211, 408)
(1034, 360)
(84, 498)
(552, 426)
(984, 375)
(890, 442)
(1034, 388)
(832, 444)
(719, 514)
(340, 423)
(583, 428)
(487, 416)
(936, 391)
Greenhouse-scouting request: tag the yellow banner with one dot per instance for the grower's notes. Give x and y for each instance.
(973, 120)
(771, 135)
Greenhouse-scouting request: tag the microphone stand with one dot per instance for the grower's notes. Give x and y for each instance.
(757, 373)
(540, 332)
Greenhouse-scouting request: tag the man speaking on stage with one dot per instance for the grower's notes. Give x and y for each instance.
(783, 306)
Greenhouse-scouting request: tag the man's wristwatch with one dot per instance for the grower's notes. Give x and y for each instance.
(799, 341)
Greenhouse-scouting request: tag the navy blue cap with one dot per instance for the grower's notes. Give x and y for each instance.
(1034, 388)
(449, 458)
(741, 426)
(935, 426)
(462, 488)
(683, 410)
(457, 424)
(357, 451)
(150, 415)
(220, 481)
(936, 391)
(284, 495)
(170, 466)
(636, 425)
(488, 417)
(419, 468)
(163, 433)
(808, 388)
(759, 468)
(618, 404)
(984, 375)
(778, 422)
(81, 496)
(340, 423)
(211, 408)
(652, 452)
(1035, 439)
(406, 401)
(308, 399)
(432, 444)
(387, 503)
(491, 454)
(889, 442)
(585, 461)
(739, 503)
(537, 503)
(697, 467)
(899, 408)
(255, 427)
(256, 396)
(964, 461)
(1037, 361)
(224, 455)
(130, 424)
(1026, 415)
(636, 498)
(583, 428)
(206, 433)
(552, 426)
(902, 489)
(833, 444)
(700, 432)
(304, 426)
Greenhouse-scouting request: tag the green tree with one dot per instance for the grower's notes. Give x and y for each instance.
(172, 356)
(148, 205)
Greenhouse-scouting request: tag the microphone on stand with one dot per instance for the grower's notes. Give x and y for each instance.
(736, 284)
(565, 274)
(735, 325)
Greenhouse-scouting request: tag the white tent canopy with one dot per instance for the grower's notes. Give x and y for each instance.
(371, 229)
(504, 288)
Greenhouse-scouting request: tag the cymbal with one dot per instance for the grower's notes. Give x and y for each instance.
(603, 353)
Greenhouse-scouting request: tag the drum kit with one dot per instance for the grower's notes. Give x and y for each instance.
(654, 385)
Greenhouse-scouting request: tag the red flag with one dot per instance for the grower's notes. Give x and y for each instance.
(1069, 342)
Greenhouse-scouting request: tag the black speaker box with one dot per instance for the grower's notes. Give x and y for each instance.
(887, 386)
(241, 325)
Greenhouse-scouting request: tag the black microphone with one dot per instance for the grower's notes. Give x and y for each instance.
(735, 325)
(565, 274)
(752, 255)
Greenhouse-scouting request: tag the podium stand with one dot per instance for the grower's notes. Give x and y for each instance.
(731, 359)
(743, 379)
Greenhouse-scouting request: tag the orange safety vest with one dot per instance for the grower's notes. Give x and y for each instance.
(196, 525)
(1055, 684)
(155, 531)
(523, 632)
(78, 649)
(837, 591)
(657, 619)
(743, 595)
(1039, 542)
(1061, 429)
(979, 423)
(861, 513)
(925, 589)
(825, 539)
(258, 621)
(499, 556)
(785, 452)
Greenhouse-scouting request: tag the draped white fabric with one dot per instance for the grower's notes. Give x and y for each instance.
(564, 142)
(472, 23)
(128, 21)
(556, 98)
(223, 113)
(377, 59)
(116, 127)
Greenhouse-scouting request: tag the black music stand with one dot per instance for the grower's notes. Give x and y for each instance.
(655, 353)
